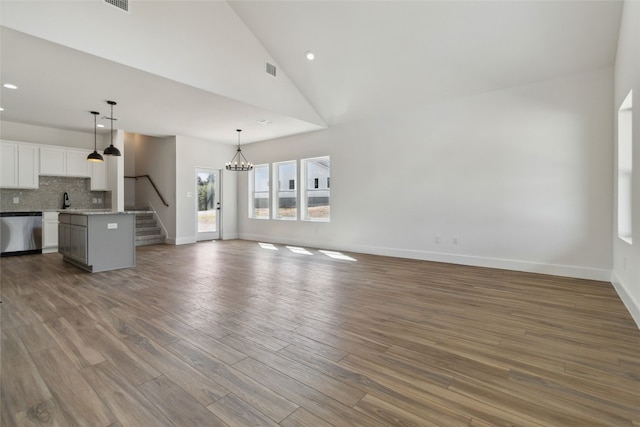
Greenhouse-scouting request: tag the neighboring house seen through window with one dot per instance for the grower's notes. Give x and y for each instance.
(259, 194)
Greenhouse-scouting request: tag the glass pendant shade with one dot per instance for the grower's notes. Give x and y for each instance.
(112, 150)
(95, 156)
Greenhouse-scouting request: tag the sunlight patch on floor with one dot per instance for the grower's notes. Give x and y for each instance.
(338, 255)
(269, 246)
(298, 250)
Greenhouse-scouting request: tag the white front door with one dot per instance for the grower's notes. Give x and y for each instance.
(208, 204)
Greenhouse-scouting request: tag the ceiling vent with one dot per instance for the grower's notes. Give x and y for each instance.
(120, 4)
(271, 69)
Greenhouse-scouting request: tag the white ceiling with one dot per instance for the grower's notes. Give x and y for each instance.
(196, 68)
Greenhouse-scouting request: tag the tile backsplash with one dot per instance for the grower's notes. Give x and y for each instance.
(50, 193)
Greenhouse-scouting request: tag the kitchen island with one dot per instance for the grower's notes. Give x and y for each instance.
(97, 240)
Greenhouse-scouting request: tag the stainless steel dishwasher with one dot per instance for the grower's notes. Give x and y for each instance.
(20, 233)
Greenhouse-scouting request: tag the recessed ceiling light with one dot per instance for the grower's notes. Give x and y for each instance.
(10, 86)
(99, 126)
(265, 122)
(310, 55)
(1, 109)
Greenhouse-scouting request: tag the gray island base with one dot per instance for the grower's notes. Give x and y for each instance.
(97, 241)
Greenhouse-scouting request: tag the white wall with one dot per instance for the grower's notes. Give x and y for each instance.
(129, 169)
(626, 257)
(51, 136)
(156, 157)
(521, 177)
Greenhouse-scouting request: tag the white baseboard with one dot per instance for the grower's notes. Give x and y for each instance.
(504, 264)
(181, 241)
(632, 306)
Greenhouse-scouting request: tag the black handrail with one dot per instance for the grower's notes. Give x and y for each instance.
(152, 184)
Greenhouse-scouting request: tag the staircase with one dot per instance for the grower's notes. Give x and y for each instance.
(147, 230)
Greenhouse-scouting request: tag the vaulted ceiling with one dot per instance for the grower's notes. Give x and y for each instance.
(197, 68)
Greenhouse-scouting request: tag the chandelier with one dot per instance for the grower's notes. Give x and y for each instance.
(244, 164)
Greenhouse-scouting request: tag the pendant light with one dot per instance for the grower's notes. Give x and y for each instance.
(111, 150)
(95, 156)
(244, 165)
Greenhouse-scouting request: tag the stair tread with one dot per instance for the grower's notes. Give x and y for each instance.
(147, 230)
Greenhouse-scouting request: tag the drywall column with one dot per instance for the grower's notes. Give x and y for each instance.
(115, 172)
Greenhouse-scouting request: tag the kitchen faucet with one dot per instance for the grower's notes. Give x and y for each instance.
(65, 201)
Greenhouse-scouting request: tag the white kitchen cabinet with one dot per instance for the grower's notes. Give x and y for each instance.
(98, 176)
(9, 164)
(77, 163)
(49, 232)
(19, 164)
(53, 161)
(28, 156)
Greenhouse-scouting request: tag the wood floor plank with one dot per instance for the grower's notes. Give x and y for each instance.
(177, 405)
(200, 339)
(46, 413)
(319, 404)
(201, 388)
(233, 334)
(22, 382)
(331, 387)
(126, 402)
(79, 351)
(78, 401)
(392, 414)
(126, 361)
(264, 400)
(303, 418)
(235, 412)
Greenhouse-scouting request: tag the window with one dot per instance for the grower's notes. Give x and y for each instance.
(285, 195)
(315, 194)
(259, 192)
(625, 168)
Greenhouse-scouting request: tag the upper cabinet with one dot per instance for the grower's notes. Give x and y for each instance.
(53, 161)
(77, 163)
(60, 161)
(98, 176)
(19, 165)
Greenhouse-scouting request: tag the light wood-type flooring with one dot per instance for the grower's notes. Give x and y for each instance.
(232, 333)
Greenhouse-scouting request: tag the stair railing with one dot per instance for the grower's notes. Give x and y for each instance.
(152, 184)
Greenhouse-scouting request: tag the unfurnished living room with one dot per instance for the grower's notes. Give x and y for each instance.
(319, 213)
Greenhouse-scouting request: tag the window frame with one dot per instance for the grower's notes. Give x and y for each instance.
(308, 184)
(625, 172)
(252, 192)
(276, 190)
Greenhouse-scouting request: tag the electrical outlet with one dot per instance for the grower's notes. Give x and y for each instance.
(95, 200)
(16, 200)
(455, 240)
(436, 240)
